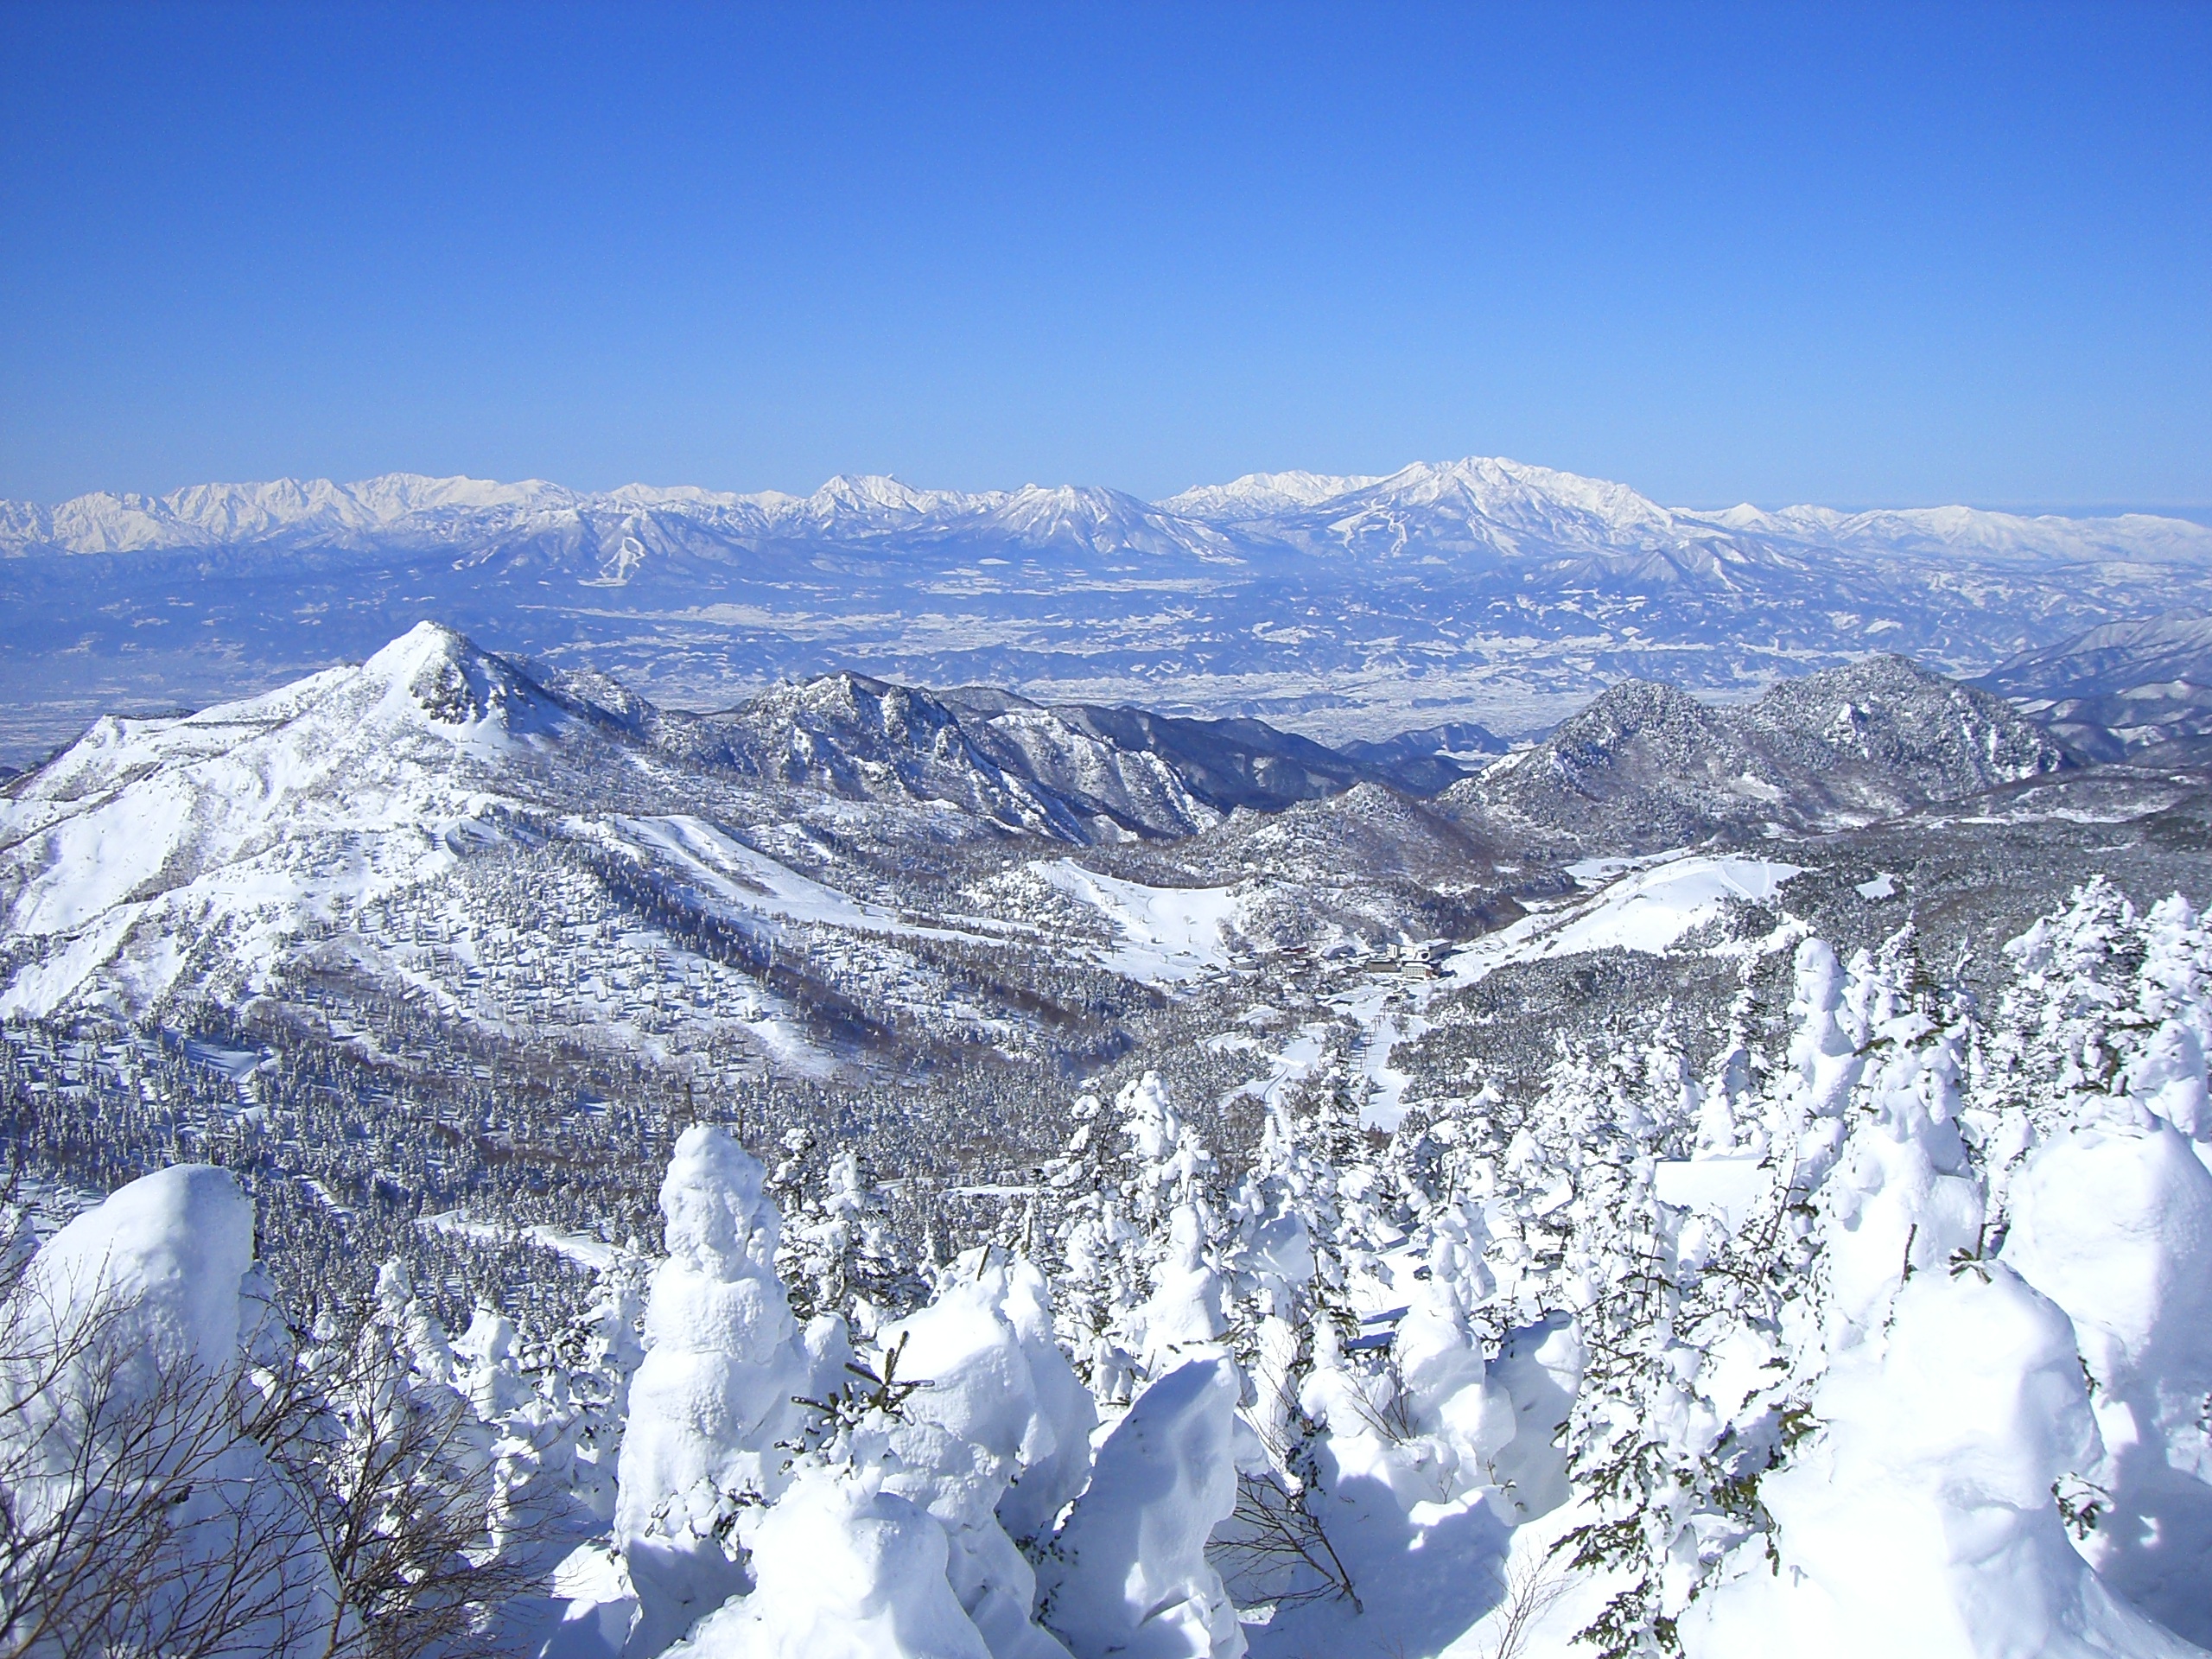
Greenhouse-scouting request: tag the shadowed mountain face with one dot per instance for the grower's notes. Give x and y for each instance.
(1076, 771)
(2120, 689)
(1647, 766)
(1475, 592)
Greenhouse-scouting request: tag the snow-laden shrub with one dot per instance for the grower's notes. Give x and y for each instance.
(1835, 1419)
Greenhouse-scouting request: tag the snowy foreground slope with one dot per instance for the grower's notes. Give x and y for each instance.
(1900, 1340)
(839, 1178)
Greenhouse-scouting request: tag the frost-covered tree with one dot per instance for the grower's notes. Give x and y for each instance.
(1139, 1285)
(604, 1347)
(1099, 1282)
(1128, 1574)
(1708, 1332)
(840, 1254)
(714, 1399)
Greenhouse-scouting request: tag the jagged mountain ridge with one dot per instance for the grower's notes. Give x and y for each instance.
(440, 833)
(1648, 767)
(235, 853)
(444, 849)
(1074, 771)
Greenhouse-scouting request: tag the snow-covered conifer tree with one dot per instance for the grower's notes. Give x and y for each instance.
(1139, 1283)
(1098, 1284)
(1128, 1574)
(713, 1400)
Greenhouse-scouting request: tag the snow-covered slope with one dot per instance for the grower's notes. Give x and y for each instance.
(1072, 771)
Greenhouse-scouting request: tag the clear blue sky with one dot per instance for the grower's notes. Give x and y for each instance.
(1837, 253)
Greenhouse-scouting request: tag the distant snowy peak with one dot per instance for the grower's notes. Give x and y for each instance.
(864, 500)
(1100, 521)
(1498, 507)
(1260, 495)
(1483, 501)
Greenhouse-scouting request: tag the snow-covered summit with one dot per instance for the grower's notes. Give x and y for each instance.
(254, 826)
(1258, 495)
(1498, 506)
(1099, 520)
(260, 816)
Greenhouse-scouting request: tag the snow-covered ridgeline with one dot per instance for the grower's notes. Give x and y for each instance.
(1893, 1332)
(1501, 505)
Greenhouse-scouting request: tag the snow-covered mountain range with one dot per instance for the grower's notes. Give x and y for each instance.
(213, 857)
(319, 835)
(1352, 607)
(1495, 503)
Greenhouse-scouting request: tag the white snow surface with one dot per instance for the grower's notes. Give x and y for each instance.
(846, 1570)
(2114, 1222)
(173, 1249)
(1647, 908)
(1129, 1578)
(1724, 1185)
(1922, 1523)
(1167, 934)
(1002, 1407)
